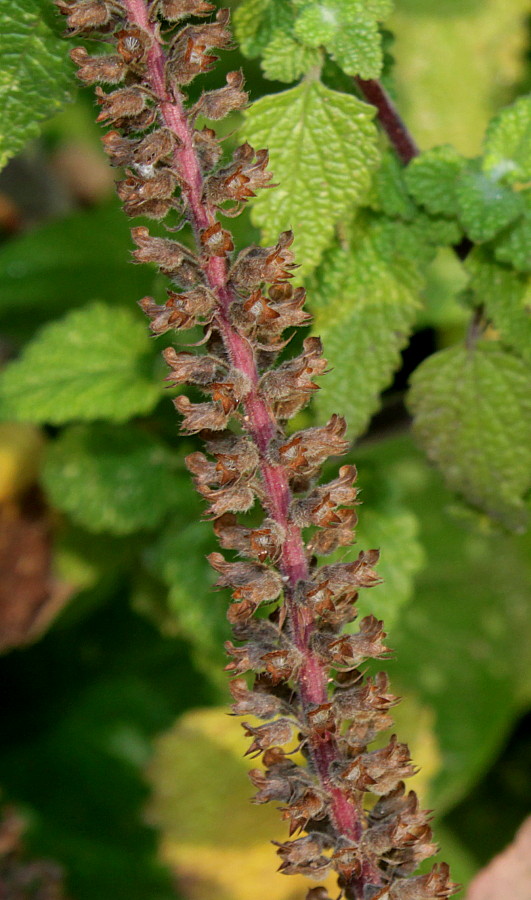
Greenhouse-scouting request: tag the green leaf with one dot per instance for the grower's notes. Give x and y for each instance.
(485, 206)
(323, 147)
(95, 363)
(349, 31)
(114, 480)
(395, 532)
(365, 299)
(285, 59)
(393, 529)
(80, 258)
(514, 245)
(506, 296)
(431, 179)
(507, 146)
(389, 193)
(35, 76)
(472, 409)
(257, 22)
(462, 646)
(178, 558)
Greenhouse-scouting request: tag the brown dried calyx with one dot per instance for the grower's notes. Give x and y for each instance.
(308, 689)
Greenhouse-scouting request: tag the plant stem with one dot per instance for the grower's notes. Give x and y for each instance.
(390, 120)
(260, 425)
(400, 137)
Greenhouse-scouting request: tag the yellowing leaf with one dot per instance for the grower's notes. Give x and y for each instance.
(21, 447)
(217, 841)
(448, 96)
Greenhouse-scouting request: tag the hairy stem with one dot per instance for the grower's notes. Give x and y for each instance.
(259, 425)
(392, 123)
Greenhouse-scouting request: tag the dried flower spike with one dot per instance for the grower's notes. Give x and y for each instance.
(308, 688)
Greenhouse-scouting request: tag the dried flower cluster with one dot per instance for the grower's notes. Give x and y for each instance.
(308, 688)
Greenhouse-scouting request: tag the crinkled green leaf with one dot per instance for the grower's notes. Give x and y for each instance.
(318, 23)
(431, 179)
(95, 363)
(349, 31)
(485, 205)
(435, 231)
(116, 480)
(63, 263)
(472, 409)
(506, 296)
(256, 22)
(364, 298)
(323, 147)
(285, 59)
(507, 146)
(389, 193)
(514, 245)
(35, 73)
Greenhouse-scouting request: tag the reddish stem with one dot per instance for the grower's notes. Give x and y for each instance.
(390, 119)
(258, 421)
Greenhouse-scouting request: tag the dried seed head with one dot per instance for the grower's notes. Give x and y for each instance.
(167, 254)
(218, 104)
(255, 300)
(207, 147)
(189, 54)
(85, 15)
(198, 416)
(174, 10)
(250, 581)
(269, 735)
(108, 69)
(434, 886)
(305, 451)
(304, 856)
(155, 147)
(246, 702)
(256, 265)
(123, 103)
(134, 44)
(216, 241)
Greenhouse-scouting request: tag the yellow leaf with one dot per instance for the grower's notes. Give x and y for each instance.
(217, 842)
(20, 455)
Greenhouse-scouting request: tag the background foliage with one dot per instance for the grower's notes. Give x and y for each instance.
(105, 754)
